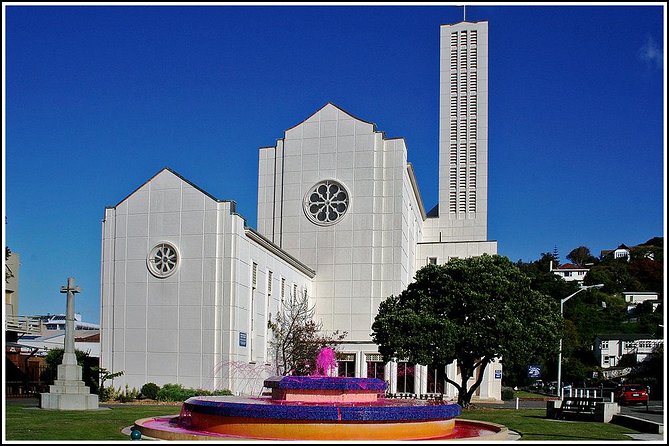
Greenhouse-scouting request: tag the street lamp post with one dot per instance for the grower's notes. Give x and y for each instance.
(562, 301)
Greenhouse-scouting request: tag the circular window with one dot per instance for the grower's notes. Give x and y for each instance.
(326, 202)
(163, 260)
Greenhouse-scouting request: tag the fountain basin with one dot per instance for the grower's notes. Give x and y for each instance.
(167, 428)
(313, 408)
(263, 418)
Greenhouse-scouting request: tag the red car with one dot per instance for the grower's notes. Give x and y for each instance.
(631, 394)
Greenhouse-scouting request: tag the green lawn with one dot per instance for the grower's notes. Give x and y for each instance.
(33, 424)
(526, 394)
(533, 425)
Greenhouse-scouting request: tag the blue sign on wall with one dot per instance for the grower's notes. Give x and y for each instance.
(498, 374)
(242, 339)
(534, 371)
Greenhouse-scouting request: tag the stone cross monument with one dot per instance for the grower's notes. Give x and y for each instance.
(68, 391)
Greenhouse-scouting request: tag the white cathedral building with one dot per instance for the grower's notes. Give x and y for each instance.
(187, 288)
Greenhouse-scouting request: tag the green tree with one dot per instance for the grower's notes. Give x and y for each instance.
(614, 274)
(472, 310)
(592, 312)
(649, 273)
(581, 256)
(647, 319)
(297, 339)
(543, 280)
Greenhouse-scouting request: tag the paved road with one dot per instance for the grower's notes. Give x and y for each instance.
(655, 411)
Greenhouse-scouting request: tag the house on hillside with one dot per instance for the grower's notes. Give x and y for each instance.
(621, 252)
(610, 348)
(570, 272)
(634, 298)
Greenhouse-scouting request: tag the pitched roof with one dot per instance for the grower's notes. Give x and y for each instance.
(330, 104)
(178, 176)
(570, 266)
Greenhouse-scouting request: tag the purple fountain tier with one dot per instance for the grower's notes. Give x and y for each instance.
(325, 389)
(380, 411)
(326, 383)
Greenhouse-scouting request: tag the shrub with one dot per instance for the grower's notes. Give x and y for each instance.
(128, 395)
(150, 390)
(108, 394)
(507, 393)
(221, 392)
(176, 392)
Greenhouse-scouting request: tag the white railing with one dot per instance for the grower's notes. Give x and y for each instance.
(589, 393)
(23, 324)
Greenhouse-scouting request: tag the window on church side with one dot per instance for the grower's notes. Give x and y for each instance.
(326, 202)
(163, 260)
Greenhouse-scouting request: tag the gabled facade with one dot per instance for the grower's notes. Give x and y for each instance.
(183, 297)
(363, 243)
(621, 252)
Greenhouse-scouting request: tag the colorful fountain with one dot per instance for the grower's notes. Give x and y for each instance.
(318, 407)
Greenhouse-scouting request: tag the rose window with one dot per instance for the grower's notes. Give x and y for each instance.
(162, 260)
(326, 202)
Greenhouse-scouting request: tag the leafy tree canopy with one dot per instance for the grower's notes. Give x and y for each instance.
(472, 310)
(615, 275)
(581, 256)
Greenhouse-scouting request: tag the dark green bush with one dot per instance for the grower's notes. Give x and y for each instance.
(176, 392)
(507, 393)
(221, 392)
(128, 395)
(150, 390)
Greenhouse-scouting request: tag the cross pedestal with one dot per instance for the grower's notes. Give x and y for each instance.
(68, 392)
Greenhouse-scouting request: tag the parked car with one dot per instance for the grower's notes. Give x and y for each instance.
(537, 385)
(631, 394)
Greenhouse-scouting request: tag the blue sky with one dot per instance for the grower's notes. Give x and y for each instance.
(100, 98)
